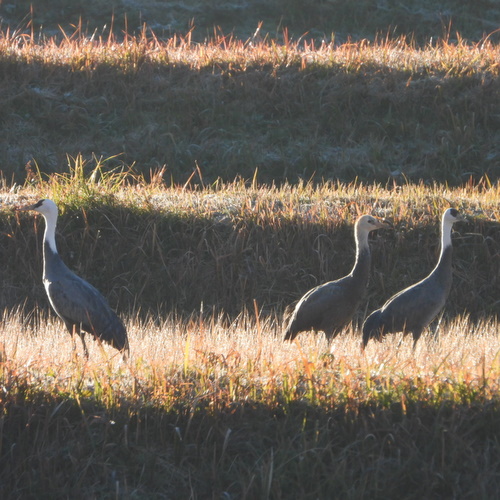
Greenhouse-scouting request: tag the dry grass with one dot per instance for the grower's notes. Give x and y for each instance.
(152, 249)
(386, 110)
(214, 350)
(206, 408)
(81, 53)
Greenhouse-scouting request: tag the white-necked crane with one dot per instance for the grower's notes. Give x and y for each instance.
(412, 309)
(330, 307)
(76, 302)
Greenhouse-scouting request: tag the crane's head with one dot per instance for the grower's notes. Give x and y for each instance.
(452, 215)
(46, 207)
(367, 223)
(49, 211)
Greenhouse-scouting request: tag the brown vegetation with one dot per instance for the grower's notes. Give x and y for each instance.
(385, 111)
(203, 409)
(139, 139)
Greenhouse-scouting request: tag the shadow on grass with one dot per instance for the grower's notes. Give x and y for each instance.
(153, 263)
(60, 446)
(351, 118)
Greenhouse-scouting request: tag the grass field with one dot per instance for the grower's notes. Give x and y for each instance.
(209, 410)
(214, 404)
(207, 175)
(382, 109)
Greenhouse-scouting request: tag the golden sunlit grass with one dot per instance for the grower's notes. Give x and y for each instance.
(227, 364)
(83, 53)
(211, 401)
(91, 182)
(206, 407)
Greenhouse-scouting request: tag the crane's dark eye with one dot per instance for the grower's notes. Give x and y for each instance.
(454, 212)
(38, 204)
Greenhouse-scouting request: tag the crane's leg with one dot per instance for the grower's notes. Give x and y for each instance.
(75, 328)
(332, 333)
(416, 336)
(437, 326)
(400, 341)
(82, 336)
(71, 329)
(125, 351)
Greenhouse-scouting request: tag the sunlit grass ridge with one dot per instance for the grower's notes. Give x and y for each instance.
(83, 53)
(297, 109)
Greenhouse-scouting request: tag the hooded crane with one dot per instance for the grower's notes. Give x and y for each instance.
(331, 306)
(75, 301)
(412, 309)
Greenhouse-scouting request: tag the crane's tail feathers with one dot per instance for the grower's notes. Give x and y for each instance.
(290, 334)
(372, 327)
(119, 339)
(113, 333)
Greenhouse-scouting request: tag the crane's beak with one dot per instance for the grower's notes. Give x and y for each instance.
(25, 208)
(33, 206)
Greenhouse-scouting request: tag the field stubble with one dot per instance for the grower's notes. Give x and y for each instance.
(212, 404)
(386, 110)
(205, 408)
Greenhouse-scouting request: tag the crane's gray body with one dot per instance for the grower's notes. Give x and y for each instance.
(331, 306)
(412, 309)
(75, 301)
(79, 304)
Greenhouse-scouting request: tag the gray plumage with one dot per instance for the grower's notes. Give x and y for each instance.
(331, 306)
(412, 309)
(76, 302)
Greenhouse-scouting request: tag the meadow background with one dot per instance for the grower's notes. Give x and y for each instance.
(209, 160)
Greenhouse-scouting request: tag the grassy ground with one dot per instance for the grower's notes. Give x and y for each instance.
(213, 404)
(139, 137)
(152, 249)
(204, 409)
(384, 110)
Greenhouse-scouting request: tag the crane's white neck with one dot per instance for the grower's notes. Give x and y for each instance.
(362, 262)
(444, 262)
(446, 234)
(50, 230)
(361, 237)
